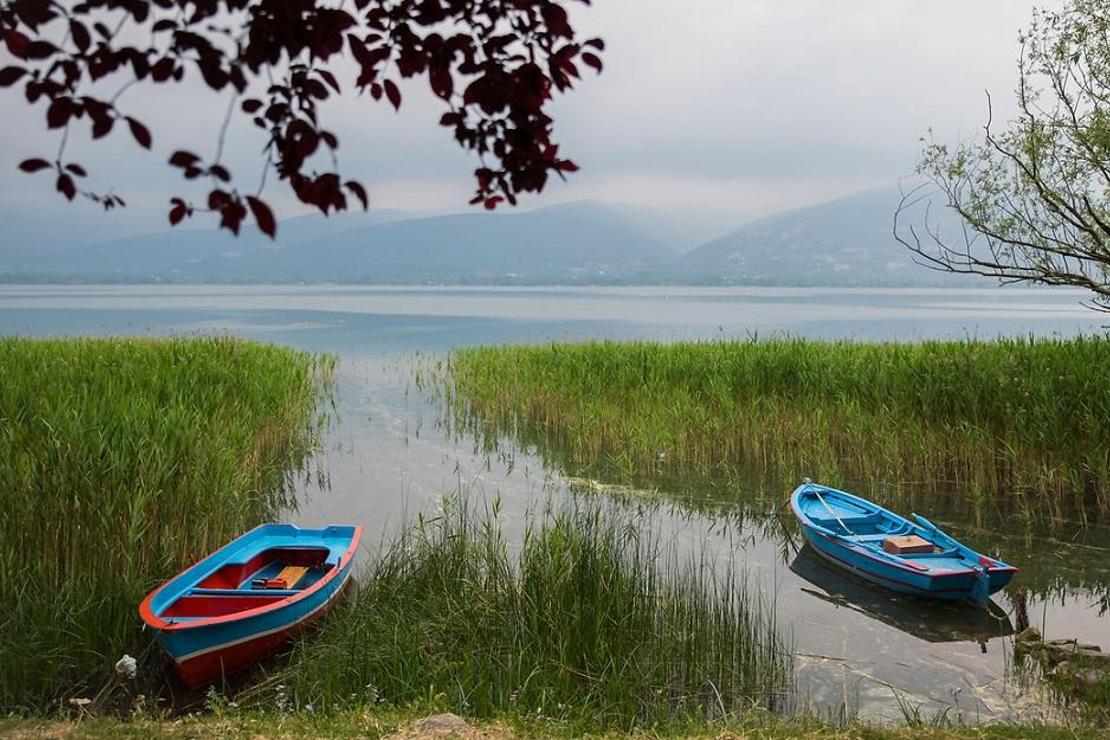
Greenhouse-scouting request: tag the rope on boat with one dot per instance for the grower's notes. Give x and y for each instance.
(832, 513)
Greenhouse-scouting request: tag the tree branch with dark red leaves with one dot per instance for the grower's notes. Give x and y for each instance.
(494, 64)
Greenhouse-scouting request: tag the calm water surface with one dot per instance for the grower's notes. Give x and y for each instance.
(387, 457)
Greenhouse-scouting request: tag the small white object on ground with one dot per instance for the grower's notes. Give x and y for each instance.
(126, 666)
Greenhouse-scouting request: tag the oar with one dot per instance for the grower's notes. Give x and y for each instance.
(832, 513)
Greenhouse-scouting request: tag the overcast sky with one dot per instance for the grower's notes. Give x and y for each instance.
(741, 107)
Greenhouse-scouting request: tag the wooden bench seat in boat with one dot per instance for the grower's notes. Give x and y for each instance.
(289, 576)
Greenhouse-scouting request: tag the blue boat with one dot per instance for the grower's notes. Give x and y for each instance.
(864, 538)
(244, 600)
(935, 621)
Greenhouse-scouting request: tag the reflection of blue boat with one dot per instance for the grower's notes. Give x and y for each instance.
(857, 535)
(932, 621)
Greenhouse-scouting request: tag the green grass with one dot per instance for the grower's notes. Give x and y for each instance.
(1025, 422)
(400, 723)
(590, 621)
(121, 461)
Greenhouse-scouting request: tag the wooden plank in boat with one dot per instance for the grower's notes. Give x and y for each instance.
(289, 576)
(907, 545)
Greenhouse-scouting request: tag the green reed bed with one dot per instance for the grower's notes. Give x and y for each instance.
(1021, 420)
(590, 619)
(121, 461)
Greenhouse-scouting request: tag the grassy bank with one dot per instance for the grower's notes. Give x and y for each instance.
(407, 723)
(1019, 421)
(122, 460)
(591, 621)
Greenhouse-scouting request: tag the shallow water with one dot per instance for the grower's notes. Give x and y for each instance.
(387, 456)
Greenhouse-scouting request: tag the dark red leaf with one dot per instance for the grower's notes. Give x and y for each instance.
(329, 78)
(439, 77)
(66, 187)
(76, 169)
(556, 18)
(182, 158)
(220, 172)
(140, 132)
(359, 192)
(11, 75)
(34, 165)
(162, 69)
(592, 60)
(17, 43)
(102, 125)
(57, 115)
(217, 199)
(393, 94)
(33, 13)
(80, 35)
(263, 216)
(177, 213)
(251, 105)
(38, 49)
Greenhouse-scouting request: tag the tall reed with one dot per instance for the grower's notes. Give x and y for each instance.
(121, 461)
(591, 620)
(1025, 421)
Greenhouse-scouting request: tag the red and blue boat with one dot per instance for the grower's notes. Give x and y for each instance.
(245, 600)
(889, 550)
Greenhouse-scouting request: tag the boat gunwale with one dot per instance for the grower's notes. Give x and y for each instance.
(163, 625)
(846, 543)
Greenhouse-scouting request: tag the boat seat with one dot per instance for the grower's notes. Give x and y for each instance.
(244, 592)
(852, 518)
(879, 537)
(291, 575)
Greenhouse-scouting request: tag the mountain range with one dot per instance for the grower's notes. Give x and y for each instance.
(843, 242)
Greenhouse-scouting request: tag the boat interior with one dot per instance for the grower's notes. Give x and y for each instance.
(870, 528)
(269, 576)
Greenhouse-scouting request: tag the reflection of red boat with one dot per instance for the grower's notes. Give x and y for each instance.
(932, 621)
(237, 605)
(855, 534)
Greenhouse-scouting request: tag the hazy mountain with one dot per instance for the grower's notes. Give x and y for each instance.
(570, 242)
(842, 242)
(678, 230)
(848, 241)
(29, 232)
(81, 246)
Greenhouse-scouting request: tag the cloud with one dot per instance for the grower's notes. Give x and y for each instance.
(743, 105)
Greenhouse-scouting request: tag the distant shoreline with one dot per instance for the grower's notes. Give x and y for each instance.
(982, 284)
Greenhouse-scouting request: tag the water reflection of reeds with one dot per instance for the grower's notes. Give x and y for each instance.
(592, 618)
(1001, 442)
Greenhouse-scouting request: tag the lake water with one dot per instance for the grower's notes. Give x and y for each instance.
(387, 457)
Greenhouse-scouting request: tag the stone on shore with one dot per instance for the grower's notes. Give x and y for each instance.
(442, 724)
